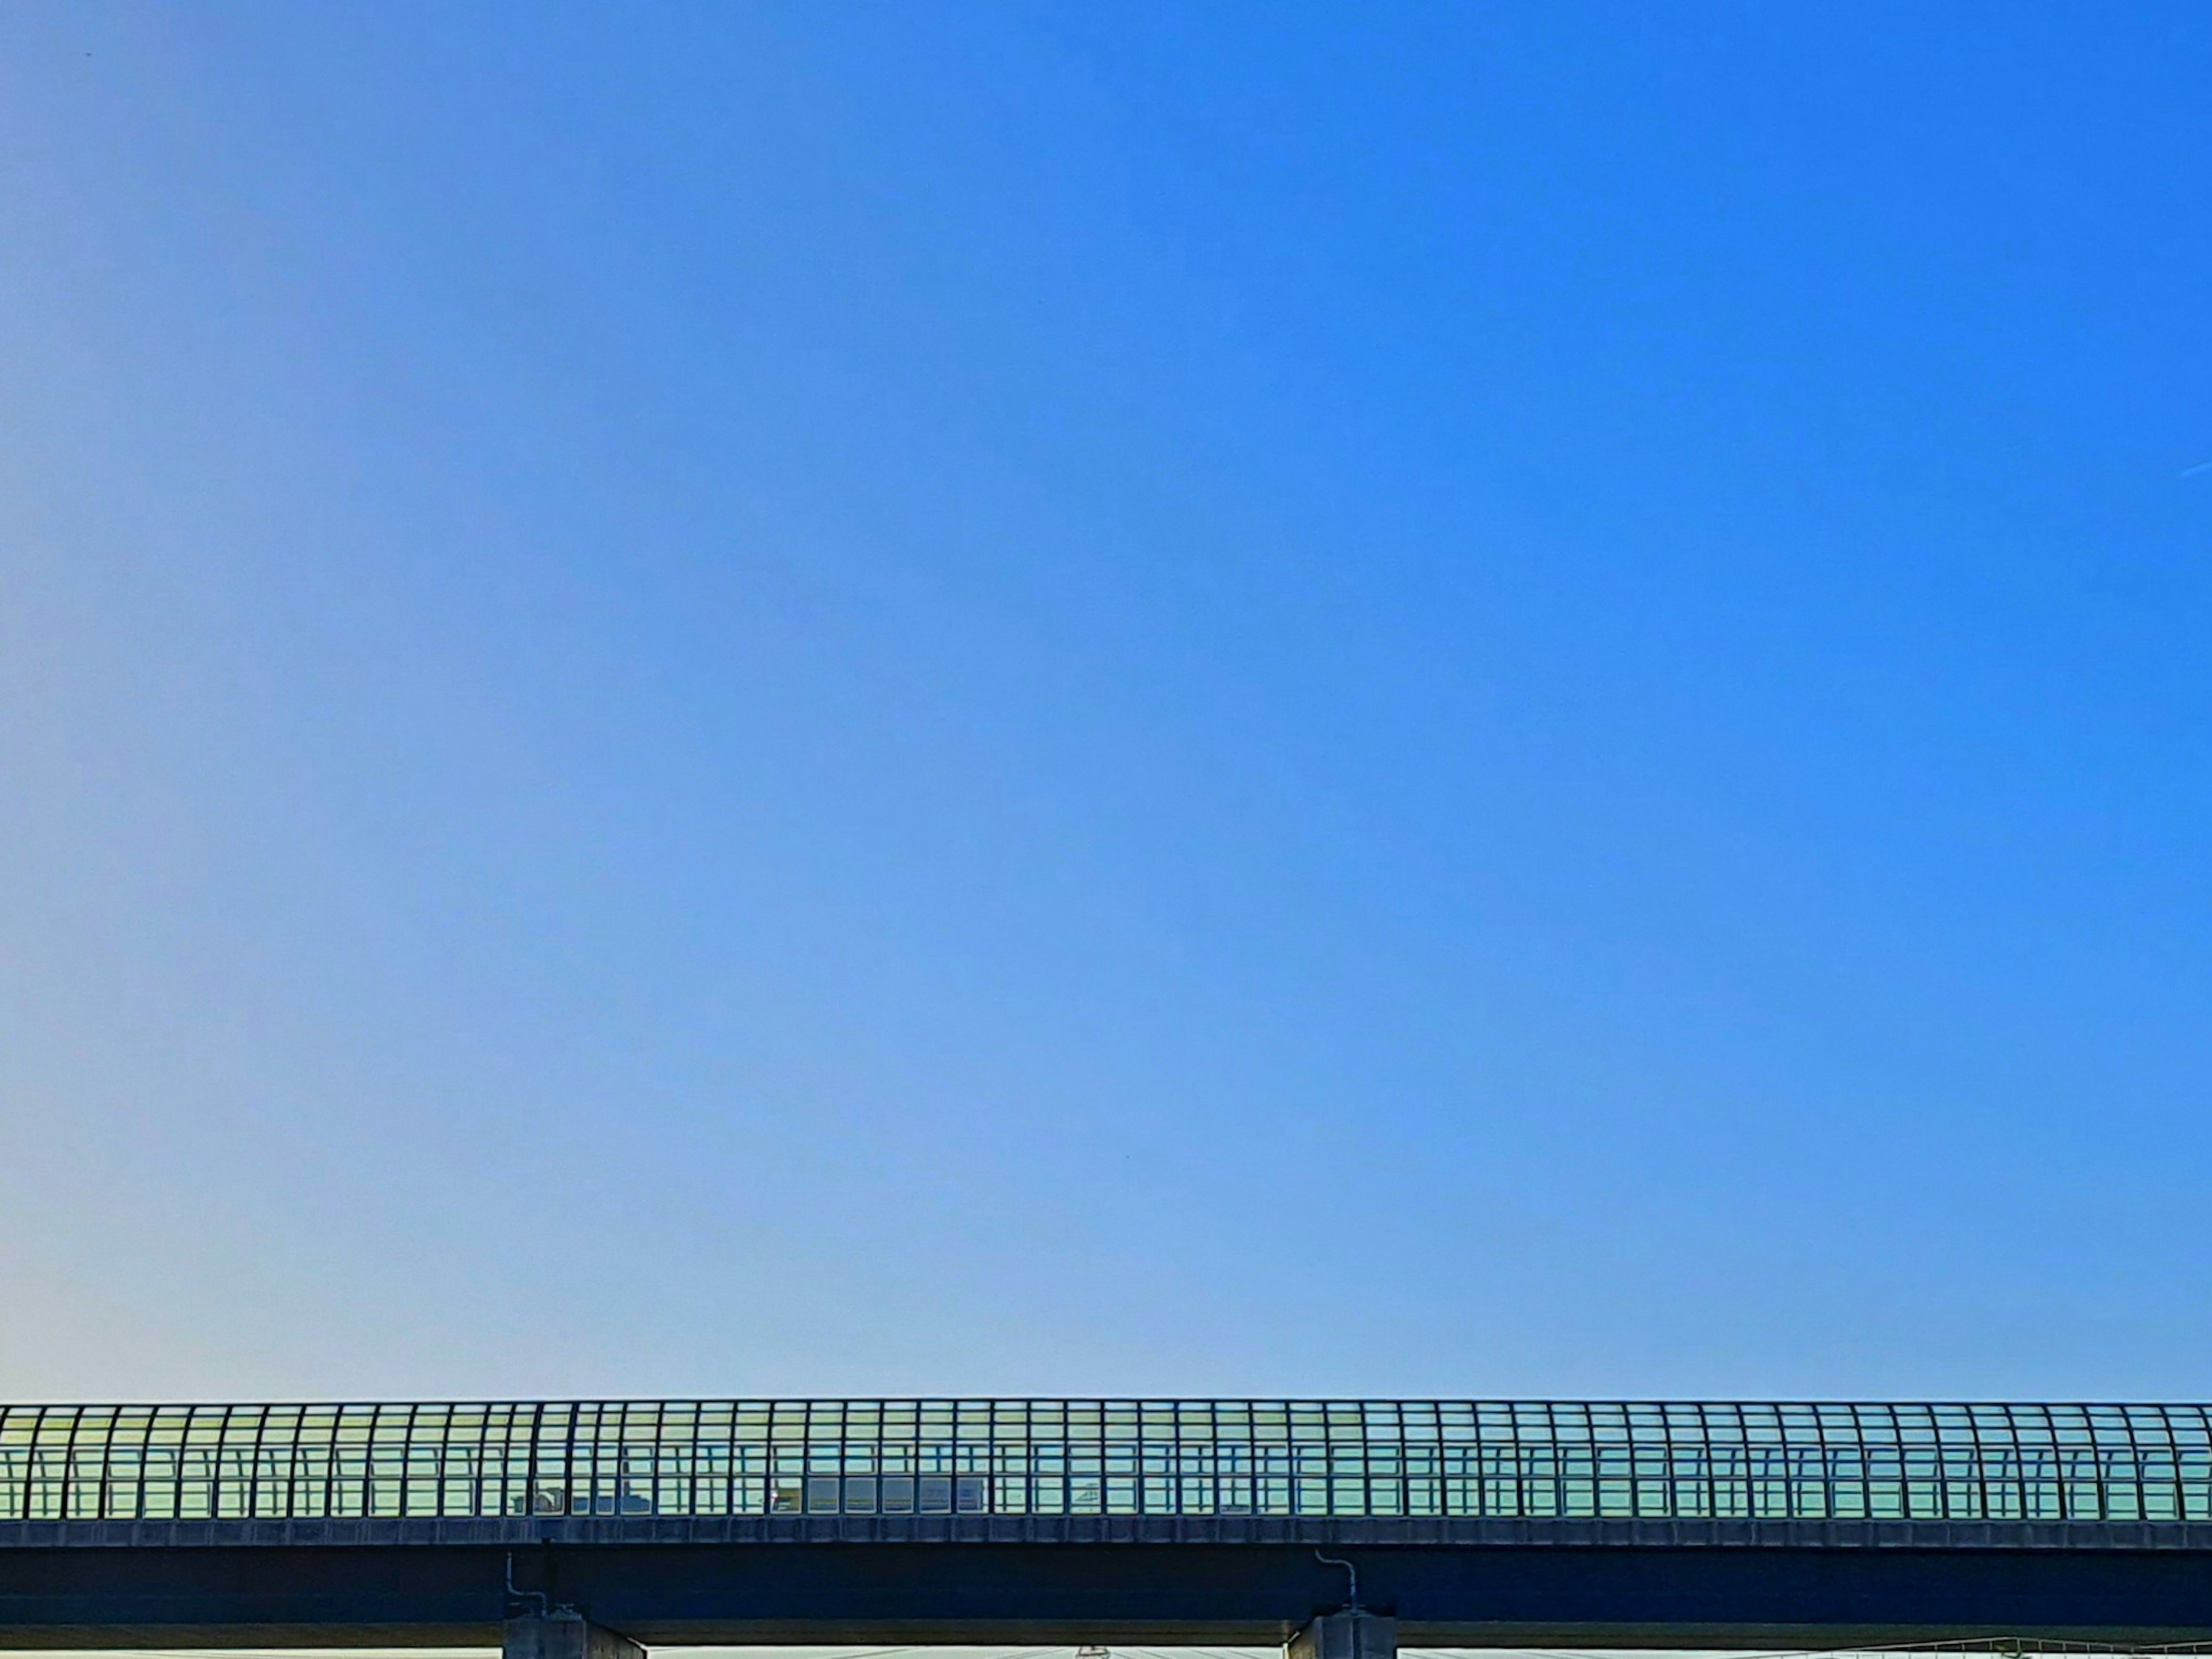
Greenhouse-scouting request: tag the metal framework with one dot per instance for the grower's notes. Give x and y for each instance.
(1481, 1460)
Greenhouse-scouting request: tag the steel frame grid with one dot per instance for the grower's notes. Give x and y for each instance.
(1412, 1460)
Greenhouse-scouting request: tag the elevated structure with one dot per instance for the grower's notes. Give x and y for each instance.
(1466, 1522)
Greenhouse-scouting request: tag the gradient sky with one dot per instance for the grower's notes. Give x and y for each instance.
(934, 697)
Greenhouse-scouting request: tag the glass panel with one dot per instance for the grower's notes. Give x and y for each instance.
(1537, 1459)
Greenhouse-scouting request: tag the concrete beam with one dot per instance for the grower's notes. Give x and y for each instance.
(1351, 1634)
(563, 1634)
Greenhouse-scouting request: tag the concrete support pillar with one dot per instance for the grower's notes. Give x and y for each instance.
(563, 1634)
(1351, 1634)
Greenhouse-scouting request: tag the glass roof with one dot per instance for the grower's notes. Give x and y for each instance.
(1509, 1459)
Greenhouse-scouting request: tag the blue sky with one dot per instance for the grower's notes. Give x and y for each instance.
(1160, 699)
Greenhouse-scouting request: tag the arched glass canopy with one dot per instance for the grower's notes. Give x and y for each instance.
(1511, 1459)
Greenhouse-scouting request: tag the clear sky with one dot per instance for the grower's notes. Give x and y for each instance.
(935, 697)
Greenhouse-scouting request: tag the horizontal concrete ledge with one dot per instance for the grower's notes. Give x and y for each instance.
(518, 1532)
(1718, 1638)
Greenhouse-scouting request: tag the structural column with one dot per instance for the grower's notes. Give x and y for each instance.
(563, 1634)
(1354, 1633)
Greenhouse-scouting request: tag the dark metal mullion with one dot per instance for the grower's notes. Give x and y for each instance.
(376, 1423)
(253, 1466)
(76, 1416)
(448, 1442)
(407, 1461)
(537, 1414)
(2047, 1456)
(1817, 1454)
(193, 1418)
(138, 1482)
(537, 1453)
(507, 1461)
(2136, 1457)
(1559, 1462)
(30, 1446)
(333, 1480)
(291, 1470)
(32, 1462)
(1980, 1460)
(2062, 1470)
(661, 1459)
(69, 1460)
(253, 1460)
